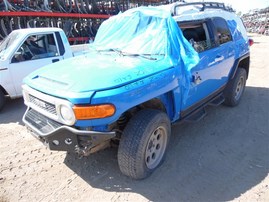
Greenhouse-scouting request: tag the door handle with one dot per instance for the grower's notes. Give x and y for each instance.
(55, 60)
(219, 58)
(196, 78)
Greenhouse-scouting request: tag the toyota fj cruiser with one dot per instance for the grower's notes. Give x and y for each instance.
(146, 70)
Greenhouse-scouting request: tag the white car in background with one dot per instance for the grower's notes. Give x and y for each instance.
(26, 50)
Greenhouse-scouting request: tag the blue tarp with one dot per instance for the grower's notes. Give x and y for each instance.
(150, 31)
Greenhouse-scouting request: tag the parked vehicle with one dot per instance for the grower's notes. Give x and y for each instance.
(26, 50)
(148, 70)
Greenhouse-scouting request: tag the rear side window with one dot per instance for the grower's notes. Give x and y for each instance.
(198, 35)
(223, 32)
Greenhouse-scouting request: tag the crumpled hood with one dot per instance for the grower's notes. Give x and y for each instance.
(94, 72)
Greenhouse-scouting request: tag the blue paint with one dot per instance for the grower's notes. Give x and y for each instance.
(137, 56)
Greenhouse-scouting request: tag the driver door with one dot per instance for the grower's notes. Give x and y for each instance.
(24, 61)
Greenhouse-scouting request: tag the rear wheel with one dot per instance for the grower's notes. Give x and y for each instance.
(2, 100)
(235, 88)
(143, 144)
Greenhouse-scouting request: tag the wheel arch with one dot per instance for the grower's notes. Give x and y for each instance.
(3, 90)
(3, 93)
(164, 103)
(242, 62)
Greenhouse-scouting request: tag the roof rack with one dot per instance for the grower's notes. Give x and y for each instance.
(205, 5)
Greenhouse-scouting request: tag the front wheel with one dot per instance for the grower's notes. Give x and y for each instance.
(2, 100)
(235, 88)
(143, 144)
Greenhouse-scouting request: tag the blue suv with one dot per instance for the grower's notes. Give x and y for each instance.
(148, 68)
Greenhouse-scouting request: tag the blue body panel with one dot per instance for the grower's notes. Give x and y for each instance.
(109, 74)
(93, 72)
(214, 68)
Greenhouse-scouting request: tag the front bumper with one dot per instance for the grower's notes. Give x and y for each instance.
(60, 137)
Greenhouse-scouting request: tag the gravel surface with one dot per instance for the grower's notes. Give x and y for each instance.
(223, 157)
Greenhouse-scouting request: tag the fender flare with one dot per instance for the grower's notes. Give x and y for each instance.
(236, 64)
(3, 90)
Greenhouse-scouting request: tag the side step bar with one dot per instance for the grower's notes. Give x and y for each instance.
(200, 112)
(196, 116)
(217, 101)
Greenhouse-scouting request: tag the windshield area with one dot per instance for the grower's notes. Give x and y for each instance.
(133, 35)
(8, 41)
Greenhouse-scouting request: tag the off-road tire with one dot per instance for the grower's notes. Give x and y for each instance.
(235, 88)
(143, 144)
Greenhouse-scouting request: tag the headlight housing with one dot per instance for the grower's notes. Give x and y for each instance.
(67, 114)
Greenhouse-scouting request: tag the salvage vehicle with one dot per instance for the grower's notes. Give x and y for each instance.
(26, 50)
(147, 70)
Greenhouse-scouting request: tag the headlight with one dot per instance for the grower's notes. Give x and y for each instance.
(67, 114)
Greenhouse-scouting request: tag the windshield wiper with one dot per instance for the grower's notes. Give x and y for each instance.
(117, 51)
(146, 56)
(109, 50)
(112, 49)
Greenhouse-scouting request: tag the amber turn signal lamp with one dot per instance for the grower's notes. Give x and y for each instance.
(93, 111)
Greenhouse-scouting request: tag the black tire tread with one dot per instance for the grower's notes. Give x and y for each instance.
(131, 150)
(2, 100)
(230, 88)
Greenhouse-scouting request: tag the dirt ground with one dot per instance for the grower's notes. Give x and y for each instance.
(223, 157)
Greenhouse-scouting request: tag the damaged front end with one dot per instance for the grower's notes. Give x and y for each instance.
(65, 138)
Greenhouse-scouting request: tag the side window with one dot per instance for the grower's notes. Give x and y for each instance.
(198, 35)
(36, 47)
(52, 48)
(223, 32)
(60, 43)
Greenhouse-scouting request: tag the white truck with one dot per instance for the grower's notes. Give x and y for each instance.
(26, 50)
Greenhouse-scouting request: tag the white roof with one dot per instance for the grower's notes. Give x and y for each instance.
(27, 31)
(193, 12)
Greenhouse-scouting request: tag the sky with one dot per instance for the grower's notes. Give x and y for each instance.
(243, 5)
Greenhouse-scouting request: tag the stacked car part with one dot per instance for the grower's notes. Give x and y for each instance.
(79, 19)
(257, 21)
